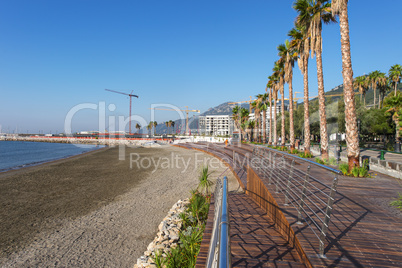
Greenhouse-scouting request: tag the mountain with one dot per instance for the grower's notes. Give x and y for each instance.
(180, 125)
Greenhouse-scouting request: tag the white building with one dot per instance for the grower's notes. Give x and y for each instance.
(216, 125)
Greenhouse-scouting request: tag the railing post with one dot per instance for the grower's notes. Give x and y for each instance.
(328, 211)
(234, 161)
(272, 168)
(303, 195)
(288, 184)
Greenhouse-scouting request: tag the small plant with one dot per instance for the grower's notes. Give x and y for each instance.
(332, 161)
(158, 259)
(205, 184)
(320, 161)
(305, 155)
(294, 151)
(344, 168)
(355, 171)
(363, 172)
(398, 202)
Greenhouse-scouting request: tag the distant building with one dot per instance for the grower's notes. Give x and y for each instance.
(268, 114)
(216, 125)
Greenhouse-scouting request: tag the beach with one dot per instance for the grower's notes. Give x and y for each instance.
(94, 209)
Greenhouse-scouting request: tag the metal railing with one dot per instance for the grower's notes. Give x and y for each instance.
(219, 248)
(312, 200)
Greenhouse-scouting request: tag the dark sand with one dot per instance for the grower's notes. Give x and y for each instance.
(90, 210)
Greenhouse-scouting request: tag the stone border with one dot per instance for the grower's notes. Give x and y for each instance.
(167, 236)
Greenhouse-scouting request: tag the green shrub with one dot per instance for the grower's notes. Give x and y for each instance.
(158, 259)
(398, 202)
(344, 168)
(294, 151)
(332, 161)
(363, 172)
(355, 171)
(305, 155)
(320, 161)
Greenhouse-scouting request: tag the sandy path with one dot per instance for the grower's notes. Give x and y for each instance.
(94, 210)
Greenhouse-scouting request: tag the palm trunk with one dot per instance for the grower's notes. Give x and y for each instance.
(270, 117)
(321, 100)
(395, 87)
(275, 140)
(306, 107)
(352, 138)
(283, 115)
(255, 132)
(364, 100)
(291, 126)
(264, 125)
(374, 96)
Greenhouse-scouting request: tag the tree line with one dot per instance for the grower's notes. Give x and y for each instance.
(305, 40)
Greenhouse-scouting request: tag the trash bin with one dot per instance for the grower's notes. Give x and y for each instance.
(366, 162)
(382, 154)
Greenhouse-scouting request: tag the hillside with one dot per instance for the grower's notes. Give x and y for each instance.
(226, 109)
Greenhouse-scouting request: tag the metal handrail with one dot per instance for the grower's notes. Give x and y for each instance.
(309, 200)
(224, 238)
(219, 249)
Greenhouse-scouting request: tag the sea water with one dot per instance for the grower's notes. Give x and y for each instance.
(19, 154)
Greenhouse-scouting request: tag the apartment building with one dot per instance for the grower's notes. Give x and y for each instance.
(216, 125)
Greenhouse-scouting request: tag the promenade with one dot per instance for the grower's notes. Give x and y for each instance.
(363, 230)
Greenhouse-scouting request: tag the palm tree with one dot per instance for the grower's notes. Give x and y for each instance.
(138, 126)
(394, 103)
(301, 44)
(373, 78)
(279, 70)
(244, 115)
(167, 126)
(270, 85)
(361, 84)
(395, 74)
(149, 127)
(312, 13)
(257, 112)
(288, 54)
(172, 123)
(383, 86)
(340, 7)
(255, 106)
(250, 125)
(236, 117)
(155, 124)
(275, 88)
(263, 108)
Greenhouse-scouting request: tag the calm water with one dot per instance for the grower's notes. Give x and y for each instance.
(18, 154)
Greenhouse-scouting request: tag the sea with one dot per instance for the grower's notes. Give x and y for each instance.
(20, 154)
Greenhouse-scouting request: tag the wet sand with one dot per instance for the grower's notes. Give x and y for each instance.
(92, 210)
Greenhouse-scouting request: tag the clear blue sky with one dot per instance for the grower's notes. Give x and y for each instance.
(55, 55)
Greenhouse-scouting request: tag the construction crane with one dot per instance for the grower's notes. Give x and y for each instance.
(249, 101)
(184, 110)
(130, 95)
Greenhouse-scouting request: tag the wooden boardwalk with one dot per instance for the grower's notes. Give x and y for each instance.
(361, 232)
(254, 240)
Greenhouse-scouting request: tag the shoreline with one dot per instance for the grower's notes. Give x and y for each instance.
(54, 161)
(50, 161)
(90, 209)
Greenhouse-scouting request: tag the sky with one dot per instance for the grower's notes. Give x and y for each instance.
(57, 57)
